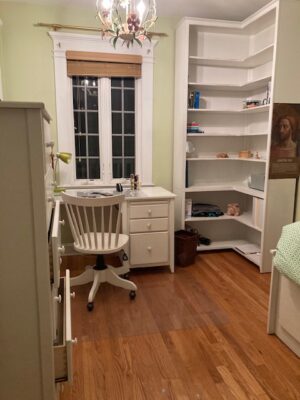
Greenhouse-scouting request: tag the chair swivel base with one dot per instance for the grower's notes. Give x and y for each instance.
(109, 275)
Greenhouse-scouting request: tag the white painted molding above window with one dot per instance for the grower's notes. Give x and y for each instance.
(64, 109)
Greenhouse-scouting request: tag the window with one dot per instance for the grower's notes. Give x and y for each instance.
(86, 102)
(105, 122)
(86, 127)
(123, 126)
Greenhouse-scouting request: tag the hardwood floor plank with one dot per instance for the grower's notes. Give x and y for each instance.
(197, 334)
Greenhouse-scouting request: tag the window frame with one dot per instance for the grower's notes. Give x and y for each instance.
(64, 109)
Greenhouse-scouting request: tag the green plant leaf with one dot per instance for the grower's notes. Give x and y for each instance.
(115, 41)
(138, 41)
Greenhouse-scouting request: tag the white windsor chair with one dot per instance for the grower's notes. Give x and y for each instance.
(96, 230)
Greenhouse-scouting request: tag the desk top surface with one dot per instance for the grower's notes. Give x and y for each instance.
(145, 193)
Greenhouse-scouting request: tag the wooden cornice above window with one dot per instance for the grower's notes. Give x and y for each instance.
(81, 63)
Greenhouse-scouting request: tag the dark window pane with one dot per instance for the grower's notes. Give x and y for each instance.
(116, 82)
(129, 142)
(117, 168)
(129, 125)
(129, 167)
(93, 126)
(94, 168)
(78, 98)
(79, 122)
(129, 146)
(116, 100)
(116, 120)
(80, 145)
(76, 80)
(92, 99)
(117, 146)
(81, 170)
(129, 82)
(129, 100)
(93, 144)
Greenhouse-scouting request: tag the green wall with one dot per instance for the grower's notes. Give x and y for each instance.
(28, 71)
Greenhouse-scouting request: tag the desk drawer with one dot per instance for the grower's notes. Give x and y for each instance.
(148, 225)
(63, 350)
(149, 248)
(150, 210)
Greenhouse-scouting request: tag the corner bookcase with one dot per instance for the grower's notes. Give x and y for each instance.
(229, 63)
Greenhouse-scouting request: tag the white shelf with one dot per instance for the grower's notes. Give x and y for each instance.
(231, 244)
(255, 84)
(221, 245)
(253, 110)
(245, 219)
(233, 186)
(221, 68)
(255, 258)
(253, 60)
(225, 159)
(226, 134)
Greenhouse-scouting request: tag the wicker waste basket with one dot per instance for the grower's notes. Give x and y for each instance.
(185, 247)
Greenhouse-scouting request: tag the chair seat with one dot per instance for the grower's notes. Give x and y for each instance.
(99, 249)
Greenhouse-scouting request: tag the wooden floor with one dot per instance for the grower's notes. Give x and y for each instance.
(197, 334)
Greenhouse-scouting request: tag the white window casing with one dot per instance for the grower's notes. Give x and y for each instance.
(64, 107)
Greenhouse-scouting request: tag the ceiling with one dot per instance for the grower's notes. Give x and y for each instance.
(219, 9)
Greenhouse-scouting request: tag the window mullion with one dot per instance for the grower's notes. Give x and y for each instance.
(105, 121)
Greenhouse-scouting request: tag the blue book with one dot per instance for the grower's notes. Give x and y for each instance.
(196, 99)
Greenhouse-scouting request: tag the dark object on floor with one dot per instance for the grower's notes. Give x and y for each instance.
(206, 210)
(185, 247)
(204, 240)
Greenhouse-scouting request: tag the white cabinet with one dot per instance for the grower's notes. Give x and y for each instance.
(148, 219)
(229, 63)
(31, 293)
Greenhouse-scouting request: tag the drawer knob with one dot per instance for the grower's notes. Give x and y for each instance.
(62, 249)
(60, 260)
(149, 248)
(149, 226)
(58, 298)
(72, 295)
(74, 341)
(62, 222)
(149, 211)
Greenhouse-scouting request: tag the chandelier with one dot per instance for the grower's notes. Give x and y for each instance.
(128, 20)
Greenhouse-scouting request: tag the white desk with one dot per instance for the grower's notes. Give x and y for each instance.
(148, 219)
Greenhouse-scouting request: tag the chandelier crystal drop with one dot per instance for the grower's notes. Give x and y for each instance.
(128, 20)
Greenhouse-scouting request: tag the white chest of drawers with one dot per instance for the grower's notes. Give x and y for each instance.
(34, 356)
(148, 219)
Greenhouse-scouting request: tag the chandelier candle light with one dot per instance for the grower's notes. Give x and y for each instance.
(129, 20)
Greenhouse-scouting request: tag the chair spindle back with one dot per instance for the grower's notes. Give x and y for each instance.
(89, 218)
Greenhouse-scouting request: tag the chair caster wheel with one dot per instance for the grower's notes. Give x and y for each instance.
(132, 294)
(90, 306)
(126, 276)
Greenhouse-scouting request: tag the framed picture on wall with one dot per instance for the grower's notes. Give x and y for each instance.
(285, 141)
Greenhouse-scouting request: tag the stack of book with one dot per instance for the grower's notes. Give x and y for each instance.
(193, 127)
